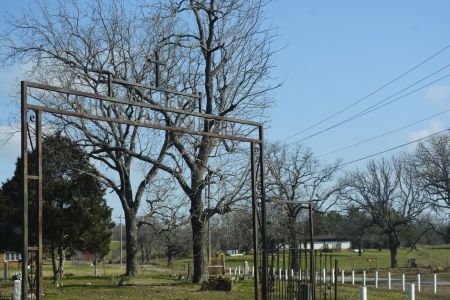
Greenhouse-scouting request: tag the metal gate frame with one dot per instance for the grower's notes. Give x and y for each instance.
(32, 281)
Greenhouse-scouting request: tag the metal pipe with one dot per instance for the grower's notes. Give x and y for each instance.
(255, 220)
(312, 256)
(24, 150)
(263, 213)
(40, 254)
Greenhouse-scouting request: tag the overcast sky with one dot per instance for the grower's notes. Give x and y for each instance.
(333, 54)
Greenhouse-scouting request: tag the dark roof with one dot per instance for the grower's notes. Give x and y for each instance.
(331, 237)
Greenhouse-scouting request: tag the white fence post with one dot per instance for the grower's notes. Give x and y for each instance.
(17, 290)
(229, 270)
(332, 275)
(376, 279)
(300, 275)
(342, 277)
(418, 282)
(286, 273)
(253, 271)
(403, 282)
(435, 283)
(389, 281)
(412, 295)
(324, 275)
(364, 278)
(353, 277)
(363, 293)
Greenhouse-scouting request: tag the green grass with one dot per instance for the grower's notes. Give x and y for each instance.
(156, 283)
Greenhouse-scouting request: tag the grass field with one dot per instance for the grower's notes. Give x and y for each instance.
(156, 282)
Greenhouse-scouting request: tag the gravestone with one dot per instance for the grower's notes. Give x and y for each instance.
(246, 268)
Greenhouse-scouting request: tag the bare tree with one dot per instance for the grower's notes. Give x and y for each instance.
(295, 175)
(432, 164)
(75, 46)
(431, 161)
(387, 192)
(228, 58)
(219, 48)
(167, 216)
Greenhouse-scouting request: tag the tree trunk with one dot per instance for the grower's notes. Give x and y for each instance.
(131, 242)
(54, 266)
(62, 258)
(359, 247)
(199, 247)
(169, 259)
(393, 250)
(394, 243)
(293, 244)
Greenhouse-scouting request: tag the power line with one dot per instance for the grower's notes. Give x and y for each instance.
(370, 94)
(393, 148)
(385, 134)
(376, 106)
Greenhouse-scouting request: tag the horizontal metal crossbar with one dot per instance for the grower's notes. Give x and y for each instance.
(139, 104)
(155, 88)
(141, 124)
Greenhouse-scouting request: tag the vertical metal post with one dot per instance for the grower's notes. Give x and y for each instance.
(255, 220)
(336, 269)
(263, 213)
(24, 149)
(312, 254)
(39, 261)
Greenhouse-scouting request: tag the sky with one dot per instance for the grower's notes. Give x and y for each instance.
(331, 54)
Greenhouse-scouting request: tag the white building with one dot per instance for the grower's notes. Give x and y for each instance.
(329, 242)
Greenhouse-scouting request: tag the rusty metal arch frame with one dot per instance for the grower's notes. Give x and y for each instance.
(259, 231)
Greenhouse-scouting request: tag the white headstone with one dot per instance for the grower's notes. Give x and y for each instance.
(246, 268)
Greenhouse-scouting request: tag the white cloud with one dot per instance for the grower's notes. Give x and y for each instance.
(9, 151)
(434, 126)
(439, 94)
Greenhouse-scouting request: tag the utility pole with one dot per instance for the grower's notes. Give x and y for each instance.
(120, 224)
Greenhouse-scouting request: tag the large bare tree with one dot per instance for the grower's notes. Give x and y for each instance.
(219, 48)
(387, 192)
(229, 60)
(432, 163)
(72, 45)
(296, 175)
